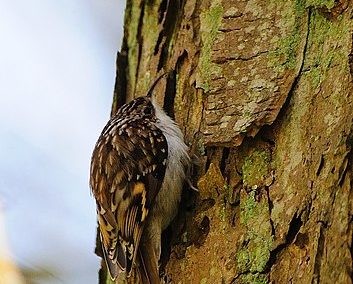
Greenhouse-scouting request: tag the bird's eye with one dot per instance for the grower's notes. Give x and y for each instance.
(147, 111)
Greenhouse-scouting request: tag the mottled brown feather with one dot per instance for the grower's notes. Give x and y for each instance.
(127, 171)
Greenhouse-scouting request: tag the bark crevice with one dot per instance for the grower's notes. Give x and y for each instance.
(293, 230)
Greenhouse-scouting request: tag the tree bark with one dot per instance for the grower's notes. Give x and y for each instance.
(263, 93)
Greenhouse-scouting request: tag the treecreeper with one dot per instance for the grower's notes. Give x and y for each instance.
(137, 173)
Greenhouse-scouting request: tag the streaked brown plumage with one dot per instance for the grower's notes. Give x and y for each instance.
(137, 172)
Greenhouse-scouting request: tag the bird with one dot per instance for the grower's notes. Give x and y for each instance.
(138, 169)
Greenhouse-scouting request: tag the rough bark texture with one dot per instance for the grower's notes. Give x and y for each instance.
(263, 92)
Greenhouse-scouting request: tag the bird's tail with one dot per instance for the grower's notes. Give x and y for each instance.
(147, 265)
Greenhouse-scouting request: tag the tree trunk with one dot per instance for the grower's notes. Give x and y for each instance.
(263, 93)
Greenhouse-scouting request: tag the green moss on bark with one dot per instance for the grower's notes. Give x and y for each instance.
(254, 217)
(329, 4)
(254, 279)
(325, 37)
(132, 17)
(210, 21)
(256, 168)
(285, 55)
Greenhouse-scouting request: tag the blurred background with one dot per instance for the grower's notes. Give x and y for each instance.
(57, 71)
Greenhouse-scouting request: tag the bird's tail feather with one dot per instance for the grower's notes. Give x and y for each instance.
(147, 265)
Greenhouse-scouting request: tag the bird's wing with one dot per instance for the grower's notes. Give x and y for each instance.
(127, 170)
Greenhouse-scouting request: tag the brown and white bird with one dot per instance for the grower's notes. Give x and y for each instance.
(137, 174)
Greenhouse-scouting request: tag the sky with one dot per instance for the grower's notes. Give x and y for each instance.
(57, 71)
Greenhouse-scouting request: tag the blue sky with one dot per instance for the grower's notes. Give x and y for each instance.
(57, 74)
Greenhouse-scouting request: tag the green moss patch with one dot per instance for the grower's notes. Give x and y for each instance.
(210, 21)
(258, 240)
(256, 168)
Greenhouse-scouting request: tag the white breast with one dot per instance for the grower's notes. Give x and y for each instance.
(178, 159)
